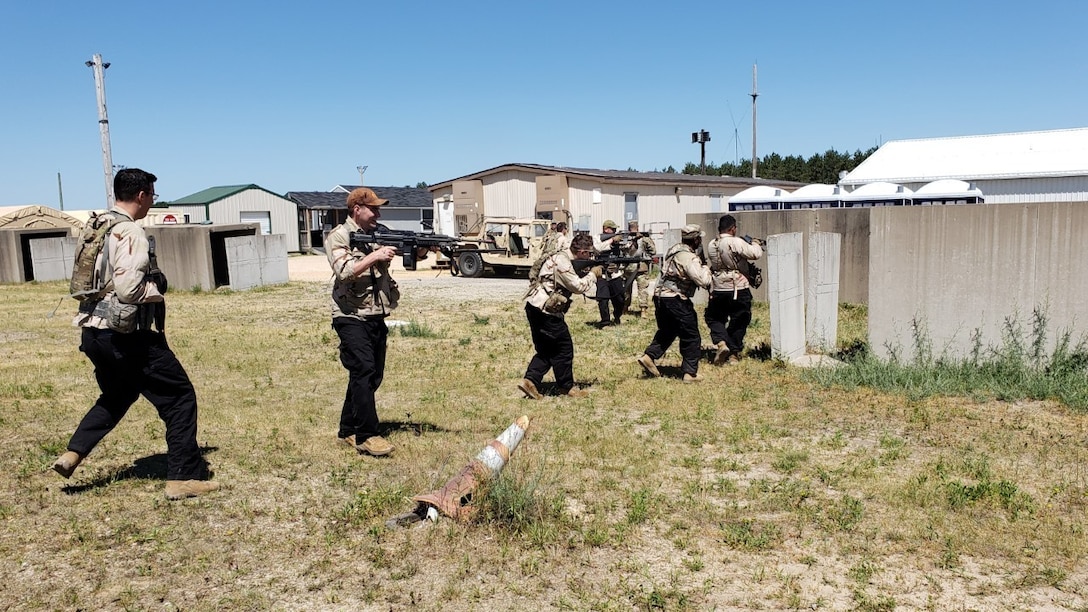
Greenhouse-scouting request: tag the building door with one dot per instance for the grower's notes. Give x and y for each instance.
(630, 208)
(715, 202)
(262, 217)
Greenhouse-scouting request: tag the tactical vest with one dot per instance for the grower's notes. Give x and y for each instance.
(673, 277)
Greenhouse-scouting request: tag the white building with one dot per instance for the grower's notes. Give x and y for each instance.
(657, 200)
(1050, 166)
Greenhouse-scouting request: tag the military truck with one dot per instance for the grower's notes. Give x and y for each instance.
(502, 244)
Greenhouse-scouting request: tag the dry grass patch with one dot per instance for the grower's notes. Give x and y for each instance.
(759, 488)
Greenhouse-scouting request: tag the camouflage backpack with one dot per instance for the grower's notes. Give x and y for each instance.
(549, 248)
(86, 281)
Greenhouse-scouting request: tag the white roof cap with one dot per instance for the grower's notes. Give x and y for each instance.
(759, 193)
(817, 192)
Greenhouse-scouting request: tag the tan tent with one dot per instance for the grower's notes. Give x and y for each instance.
(35, 216)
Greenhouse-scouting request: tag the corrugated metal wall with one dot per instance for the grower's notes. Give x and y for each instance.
(510, 194)
(283, 212)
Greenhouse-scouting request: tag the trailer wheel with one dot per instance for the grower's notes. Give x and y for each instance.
(471, 264)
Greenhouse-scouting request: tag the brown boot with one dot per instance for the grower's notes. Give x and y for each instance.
(180, 489)
(67, 463)
(376, 446)
(576, 392)
(527, 387)
(721, 353)
(692, 378)
(349, 440)
(648, 364)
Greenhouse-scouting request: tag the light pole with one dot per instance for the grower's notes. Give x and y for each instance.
(103, 122)
(362, 171)
(702, 137)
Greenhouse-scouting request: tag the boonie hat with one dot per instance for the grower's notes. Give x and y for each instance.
(691, 231)
(609, 223)
(364, 196)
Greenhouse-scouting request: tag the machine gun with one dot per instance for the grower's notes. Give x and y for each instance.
(408, 243)
(605, 260)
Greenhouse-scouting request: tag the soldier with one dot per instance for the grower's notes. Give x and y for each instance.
(610, 288)
(363, 295)
(729, 311)
(681, 272)
(562, 236)
(122, 335)
(638, 246)
(546, 303)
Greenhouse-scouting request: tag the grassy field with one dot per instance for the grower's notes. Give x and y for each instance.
(763, 487)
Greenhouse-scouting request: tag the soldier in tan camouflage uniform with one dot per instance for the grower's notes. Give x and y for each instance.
(681, 273)
(638, 246)
(130, 357)
(363, 295)
(546, 303)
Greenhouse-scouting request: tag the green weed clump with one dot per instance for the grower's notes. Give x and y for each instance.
(1019, 367)
(417, 330)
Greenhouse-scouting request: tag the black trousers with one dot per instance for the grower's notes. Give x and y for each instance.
(676, 318)
(362, 351)
(141, 363)
(728, 318)
(611, 291)
(554, 349)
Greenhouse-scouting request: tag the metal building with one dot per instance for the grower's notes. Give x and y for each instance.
(409, 208)
(1022, 167)
(232, 204)
(657, 200)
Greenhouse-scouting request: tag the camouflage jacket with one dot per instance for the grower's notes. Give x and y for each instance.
(373, 294)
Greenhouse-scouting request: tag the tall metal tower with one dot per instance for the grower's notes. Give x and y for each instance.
(755, 94)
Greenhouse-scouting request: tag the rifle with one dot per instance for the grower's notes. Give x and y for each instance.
(605, 260)
(405, 241)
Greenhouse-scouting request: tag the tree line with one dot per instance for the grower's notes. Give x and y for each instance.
(819, 168)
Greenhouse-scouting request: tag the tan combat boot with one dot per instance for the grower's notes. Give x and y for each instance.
(576, 392)
(692, 378)
(376, 446)
(181, 489)
(721, 353)
(527, 387)
(647, 364)
(349, 440)
(67, 463)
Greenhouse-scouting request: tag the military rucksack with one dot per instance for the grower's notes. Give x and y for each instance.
(549, 248)
(87, 282)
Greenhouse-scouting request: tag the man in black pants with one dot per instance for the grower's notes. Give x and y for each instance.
(546, 303)
(681, 273)
(130, 357)
(729, 311)
(610, 287)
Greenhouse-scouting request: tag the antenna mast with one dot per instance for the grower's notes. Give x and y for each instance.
(99, 67)
(755, 94)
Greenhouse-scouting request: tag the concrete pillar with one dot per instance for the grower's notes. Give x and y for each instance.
(822, 291)
(785, 279)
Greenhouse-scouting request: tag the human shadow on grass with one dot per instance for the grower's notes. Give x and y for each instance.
(152, 467)
(417, 428)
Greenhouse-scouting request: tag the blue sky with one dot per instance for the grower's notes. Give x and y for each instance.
(293, 96)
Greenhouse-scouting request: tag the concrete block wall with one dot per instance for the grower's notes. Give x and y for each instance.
(957, 269)
(851, 223)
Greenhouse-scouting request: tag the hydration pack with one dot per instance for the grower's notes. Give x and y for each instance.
(549, 248)
(87, 283)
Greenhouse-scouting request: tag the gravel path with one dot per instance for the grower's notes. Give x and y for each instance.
(425, 281)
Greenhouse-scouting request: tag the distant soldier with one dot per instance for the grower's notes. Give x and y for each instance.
(546, 303)
(729, 311)
(562, 236)
(122, 334)
(636, 274)
(681, 273)
(610, 289)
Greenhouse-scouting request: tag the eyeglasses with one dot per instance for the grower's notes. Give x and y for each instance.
(154, 197)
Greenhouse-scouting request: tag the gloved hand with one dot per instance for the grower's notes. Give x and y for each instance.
(597, 271)
(157, 277)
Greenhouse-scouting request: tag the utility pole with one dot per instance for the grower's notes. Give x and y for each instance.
(103, 123)
(60, 191)
(362, 171)
(702, 137)
(755, 94)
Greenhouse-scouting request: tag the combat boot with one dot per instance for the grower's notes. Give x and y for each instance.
(576, 392)
(721, 353)
(647, 364)
(527, 387)
(376, 446)
(349, 440)
(67, 463)
(692, 378)
(180, 489)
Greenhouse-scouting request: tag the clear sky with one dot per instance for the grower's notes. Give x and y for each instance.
(293, 96)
